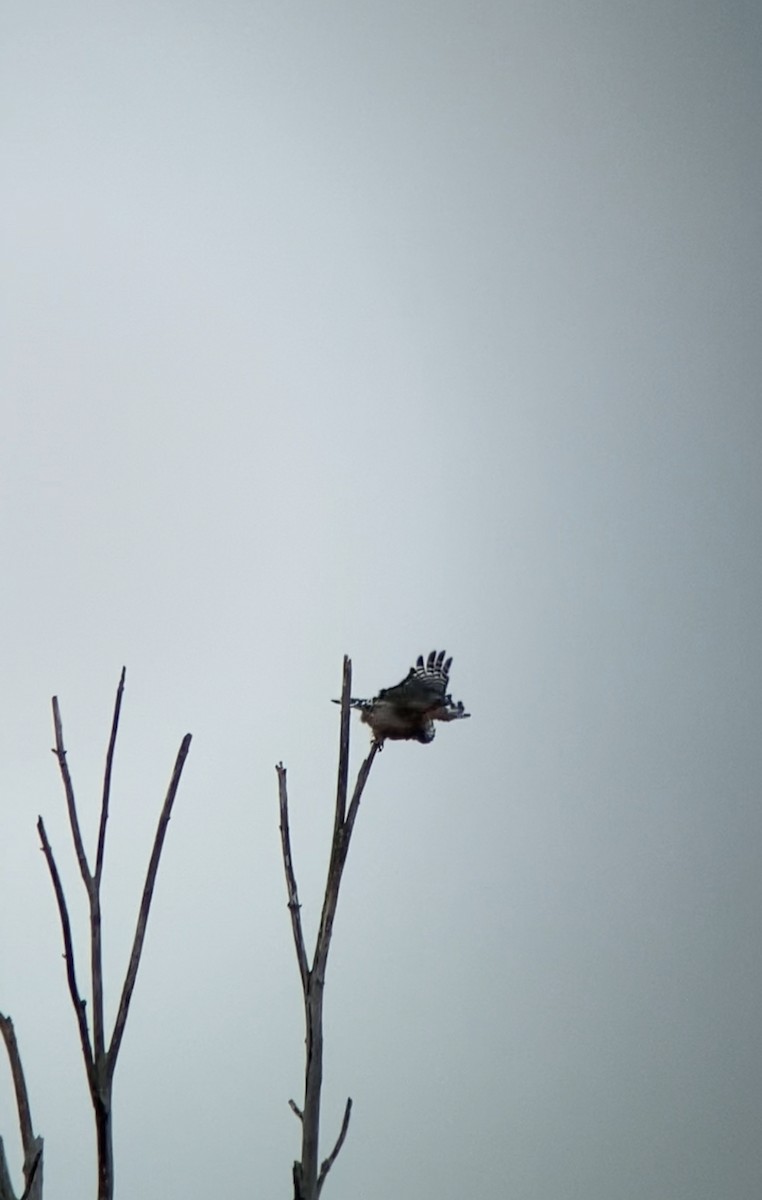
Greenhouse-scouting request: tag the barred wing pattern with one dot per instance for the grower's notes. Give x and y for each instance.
(407, 711)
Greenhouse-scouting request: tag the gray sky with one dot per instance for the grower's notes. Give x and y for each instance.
(374, 328)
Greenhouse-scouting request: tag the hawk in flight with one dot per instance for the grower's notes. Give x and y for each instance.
(407, 711)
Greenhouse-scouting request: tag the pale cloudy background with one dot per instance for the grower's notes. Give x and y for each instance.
(372, 328)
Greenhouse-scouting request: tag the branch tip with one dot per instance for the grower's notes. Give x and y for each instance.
(328, 1162)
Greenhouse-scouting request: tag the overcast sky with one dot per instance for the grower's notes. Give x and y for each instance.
(376, 327)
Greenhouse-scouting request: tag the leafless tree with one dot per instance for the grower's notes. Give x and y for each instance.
(99, 1057)
(308, 1179)
(31, 1145)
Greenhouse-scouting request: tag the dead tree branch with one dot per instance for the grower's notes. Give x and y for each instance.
(308, 1181)
(19, 1082)
(294, 906)
(107, 778)
(71, 806)
(328, 1162)
(71, 974)
(31, 1145)
(100, 1062)
(342, 778)
(145, 905)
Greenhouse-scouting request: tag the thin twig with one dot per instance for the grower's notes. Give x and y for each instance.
(145, 906)
(107, 778)
(296, 1109)
(76, 999)
(328, 1162)
(294, 907)
(76, 834)
(354, 804)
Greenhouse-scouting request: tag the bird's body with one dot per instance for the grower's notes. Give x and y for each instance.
(407, 711)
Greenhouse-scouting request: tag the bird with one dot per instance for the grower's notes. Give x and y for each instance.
(407, 711)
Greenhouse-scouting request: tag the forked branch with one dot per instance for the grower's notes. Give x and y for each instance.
(100, 1062)
(308, 1182)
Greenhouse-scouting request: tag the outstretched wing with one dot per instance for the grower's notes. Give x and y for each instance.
(424, 687)
(407, 711)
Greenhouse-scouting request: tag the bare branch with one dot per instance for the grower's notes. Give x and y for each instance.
(340, 840)
(343, 772)
(296, 1109)
(328, 1162)
(145, 906)
(362, 779)
(339, 851)
(31, 1145)
(107, 778)
(337, 840)
(19, 1083)
(76, 999)
(96, 970)
(96, 952)
(60, 754)
(294, 907)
